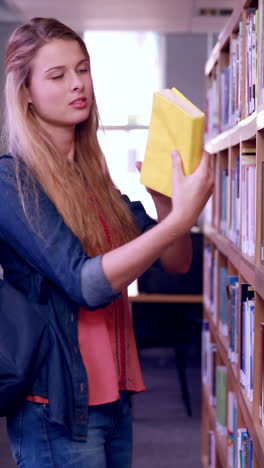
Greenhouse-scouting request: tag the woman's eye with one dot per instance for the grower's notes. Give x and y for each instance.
(83, 70)
(57, 77)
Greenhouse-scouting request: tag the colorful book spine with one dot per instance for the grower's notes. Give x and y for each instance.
(247, 339)
(221, 400)
(232, 430)
(234, 228)
(223, 302)
(248, 201)
(244, 449)
(233, 311)
(224, 201)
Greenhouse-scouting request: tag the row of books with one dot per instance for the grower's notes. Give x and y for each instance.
(237, 190)
(239, 442)
(236, 303)
(226, 112)
(245, 359)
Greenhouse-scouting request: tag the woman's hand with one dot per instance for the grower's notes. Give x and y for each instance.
(190, 193)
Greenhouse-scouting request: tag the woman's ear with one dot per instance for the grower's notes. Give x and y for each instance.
(28, 94)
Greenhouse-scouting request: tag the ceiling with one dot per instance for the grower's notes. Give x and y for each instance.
(157, 15)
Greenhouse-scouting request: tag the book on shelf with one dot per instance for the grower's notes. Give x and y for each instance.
(205, 351)
(211, 449)
(233, 311)
(251, 59)
(261, 415)
(262, 213)
(247, 339)
(248, 201)
(223, 303)
(234, 228)
(209, 363)
(244, 448)
(212, 122)
(212, 374)
(175, 124)
(221, 400)
(224, 201)
(224, 93)
(235, 77)
(262, 60)
(231, 429)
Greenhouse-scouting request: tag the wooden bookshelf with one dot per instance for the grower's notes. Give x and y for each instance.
(234, 244)
(167, 298)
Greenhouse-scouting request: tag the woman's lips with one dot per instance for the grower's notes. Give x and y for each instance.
(79, 103)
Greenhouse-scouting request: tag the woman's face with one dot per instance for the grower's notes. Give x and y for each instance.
(61, 88)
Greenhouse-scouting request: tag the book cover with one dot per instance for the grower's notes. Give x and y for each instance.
(175, 124)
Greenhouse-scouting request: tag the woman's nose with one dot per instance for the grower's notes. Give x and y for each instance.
(76, 82)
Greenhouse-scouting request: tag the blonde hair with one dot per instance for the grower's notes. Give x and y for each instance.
(82, 189)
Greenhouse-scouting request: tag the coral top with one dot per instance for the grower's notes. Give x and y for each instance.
(109, 353)
(108, 349)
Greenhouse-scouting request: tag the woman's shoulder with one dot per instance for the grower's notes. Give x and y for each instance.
(7, 165)
(6, 157)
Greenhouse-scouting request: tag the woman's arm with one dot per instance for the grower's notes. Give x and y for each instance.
(190, 193)
(176, 258)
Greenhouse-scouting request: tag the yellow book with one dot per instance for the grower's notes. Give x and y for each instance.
(175, 124)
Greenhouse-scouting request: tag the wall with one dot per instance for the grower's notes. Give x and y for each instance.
(185, 59)
(5, 30)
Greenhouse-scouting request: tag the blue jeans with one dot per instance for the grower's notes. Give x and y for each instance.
(38, 443)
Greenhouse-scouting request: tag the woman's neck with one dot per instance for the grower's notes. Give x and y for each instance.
(63, 138)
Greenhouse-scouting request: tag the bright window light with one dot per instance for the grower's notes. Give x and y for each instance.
(126, 69)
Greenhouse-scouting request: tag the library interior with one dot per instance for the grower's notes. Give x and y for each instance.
(199, 334)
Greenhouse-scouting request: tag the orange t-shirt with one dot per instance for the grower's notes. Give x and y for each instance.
(108, 349)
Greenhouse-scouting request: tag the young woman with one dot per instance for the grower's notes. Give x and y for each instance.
(78, 244)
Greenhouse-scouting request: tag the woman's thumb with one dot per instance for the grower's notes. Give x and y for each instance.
(138, 165)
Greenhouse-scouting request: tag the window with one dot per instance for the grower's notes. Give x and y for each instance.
(126, 69)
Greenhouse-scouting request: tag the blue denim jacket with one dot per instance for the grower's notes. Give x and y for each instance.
(45, 259)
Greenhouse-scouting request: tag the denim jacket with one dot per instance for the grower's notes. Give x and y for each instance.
(43, 258)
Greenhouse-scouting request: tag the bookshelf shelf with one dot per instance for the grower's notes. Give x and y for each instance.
(243, 263)
(245, 130)
(233, 330)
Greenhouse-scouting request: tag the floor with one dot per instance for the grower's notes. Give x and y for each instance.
(164, 436)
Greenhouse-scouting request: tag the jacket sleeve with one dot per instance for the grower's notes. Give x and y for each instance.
(142, 219)
(44, 241)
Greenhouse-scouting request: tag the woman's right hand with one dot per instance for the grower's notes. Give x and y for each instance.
(190, 193)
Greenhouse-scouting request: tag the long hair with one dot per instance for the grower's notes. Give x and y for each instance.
(82, 189)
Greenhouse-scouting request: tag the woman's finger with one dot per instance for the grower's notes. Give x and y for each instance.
(138, 165)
